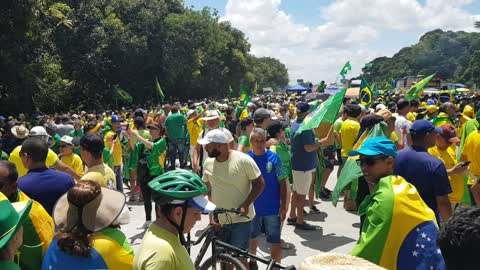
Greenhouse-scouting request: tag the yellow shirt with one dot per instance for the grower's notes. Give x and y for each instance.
(160, 249)
(194, 130)
(456, 181)
(394, 137)
(117, 149)
(103, 175)
(349, 132)
(52, 160)
(231, 183)
(74, 162)
(471, 150)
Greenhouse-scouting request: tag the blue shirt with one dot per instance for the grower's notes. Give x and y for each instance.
(45, 186)
(426, 172)
(272, 170)
(301, 159)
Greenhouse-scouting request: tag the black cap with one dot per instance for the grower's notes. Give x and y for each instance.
(275, 127)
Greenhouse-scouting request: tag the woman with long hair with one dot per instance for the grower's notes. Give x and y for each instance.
(87, 218)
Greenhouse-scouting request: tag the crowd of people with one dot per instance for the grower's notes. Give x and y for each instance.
(62, 180)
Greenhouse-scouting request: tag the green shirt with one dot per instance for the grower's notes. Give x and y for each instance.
(243, 140)
(176, 126)
(77, 134)
(283, 151)
(55, 146)
(107, 157)
(155, 156)
(336, 128)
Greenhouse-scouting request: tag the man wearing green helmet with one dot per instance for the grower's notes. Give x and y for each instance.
(179, 201)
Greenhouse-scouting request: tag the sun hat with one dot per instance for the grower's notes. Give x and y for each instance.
(386, 114)
(374, 147)
(12, 217)
(337, 261)
(96, 215)
(210, 115)
(67, 139)
(38, 131)
(213, 136)
(20, 132)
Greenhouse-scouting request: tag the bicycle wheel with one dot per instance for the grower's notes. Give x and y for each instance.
(223, 259)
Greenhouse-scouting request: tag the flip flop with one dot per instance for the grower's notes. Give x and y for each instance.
(286, 245)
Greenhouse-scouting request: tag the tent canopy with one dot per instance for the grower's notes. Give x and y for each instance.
(298, 88)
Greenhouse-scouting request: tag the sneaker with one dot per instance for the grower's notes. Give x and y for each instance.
(324, 195)
(145, 225)
(305, 212)
(305, 226)
(291, 221)
(314, 209)
(327, 191)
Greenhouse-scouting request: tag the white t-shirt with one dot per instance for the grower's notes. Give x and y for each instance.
(401, 122)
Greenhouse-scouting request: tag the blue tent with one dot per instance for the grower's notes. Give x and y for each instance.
(298, 89)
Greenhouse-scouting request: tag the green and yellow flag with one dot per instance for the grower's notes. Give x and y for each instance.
(159, 90)
(347, 67)
(326, 112)
(122, 94)
(416, 91)
(351, 170)
(366, 95)
(400, 230)
(244, 97)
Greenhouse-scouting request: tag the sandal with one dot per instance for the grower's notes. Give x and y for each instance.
(286, 245)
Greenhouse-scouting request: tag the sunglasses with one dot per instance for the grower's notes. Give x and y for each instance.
(369, 161)
(62, 145)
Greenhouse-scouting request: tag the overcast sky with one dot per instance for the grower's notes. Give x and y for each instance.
(314, 38)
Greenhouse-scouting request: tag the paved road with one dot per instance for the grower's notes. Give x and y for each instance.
(338, 231)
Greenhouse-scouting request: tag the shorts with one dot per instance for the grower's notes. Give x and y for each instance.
(329, 157)
(302, 181)
(272, 228)
(190, 151)
(339, 157)
(235, 234)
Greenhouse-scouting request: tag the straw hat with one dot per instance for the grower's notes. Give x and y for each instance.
(337, 261)
(96, 215)
(210, 115)
(20, 132)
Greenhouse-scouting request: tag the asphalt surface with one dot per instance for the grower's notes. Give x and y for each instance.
(337, 231)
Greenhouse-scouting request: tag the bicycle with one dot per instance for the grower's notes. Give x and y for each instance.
(222, 252)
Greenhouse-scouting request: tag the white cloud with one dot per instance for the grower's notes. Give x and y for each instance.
(351, 27)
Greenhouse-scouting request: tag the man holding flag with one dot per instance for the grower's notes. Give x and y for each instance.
(399, 231)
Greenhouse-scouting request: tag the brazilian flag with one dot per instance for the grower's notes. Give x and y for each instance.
(122, 95)
(400, 230)
(366, 94)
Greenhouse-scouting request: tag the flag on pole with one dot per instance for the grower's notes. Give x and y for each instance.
(351, 170)
(122, 94)
(324, 113)
(230, 90)
(244, 97)
(366, 95)
(159, 90)
(347, 67)
(416, 91)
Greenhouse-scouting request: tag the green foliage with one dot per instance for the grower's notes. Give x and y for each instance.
(56, 56)
(452, 55)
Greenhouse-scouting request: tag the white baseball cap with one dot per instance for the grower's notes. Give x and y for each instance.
(38, 131)
(67, 139)
(200, 202)
(214, 136)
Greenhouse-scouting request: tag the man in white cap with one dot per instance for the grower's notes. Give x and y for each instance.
(212, 120)
(69, 157)
(234, 181)
(52, 159)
